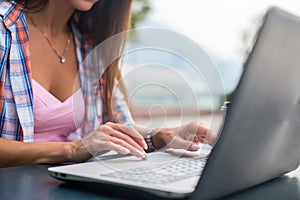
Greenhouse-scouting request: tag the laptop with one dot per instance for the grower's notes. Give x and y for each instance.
(260, 139)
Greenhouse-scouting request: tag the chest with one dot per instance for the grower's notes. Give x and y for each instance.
(60, 79)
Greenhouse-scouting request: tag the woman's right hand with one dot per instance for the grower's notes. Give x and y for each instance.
(110, 136)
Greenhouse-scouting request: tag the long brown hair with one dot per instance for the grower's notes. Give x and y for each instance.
(105, 19)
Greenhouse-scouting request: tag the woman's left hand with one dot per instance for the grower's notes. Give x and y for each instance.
(187, 136)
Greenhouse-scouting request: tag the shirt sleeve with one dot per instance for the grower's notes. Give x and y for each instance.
(120, 110)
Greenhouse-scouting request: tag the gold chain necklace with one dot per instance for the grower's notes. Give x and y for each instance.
(61, 57)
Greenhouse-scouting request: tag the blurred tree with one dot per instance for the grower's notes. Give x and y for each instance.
(140, 8)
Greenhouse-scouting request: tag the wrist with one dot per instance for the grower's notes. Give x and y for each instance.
(149, 140)
(76, 152)
(69, 151)
(158, 138)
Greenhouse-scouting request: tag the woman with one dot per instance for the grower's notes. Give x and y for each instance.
(43, 46)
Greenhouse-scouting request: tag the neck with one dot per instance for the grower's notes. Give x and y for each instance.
(53, 19)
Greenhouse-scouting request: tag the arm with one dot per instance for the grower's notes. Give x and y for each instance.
(124, 140)
(13, 153)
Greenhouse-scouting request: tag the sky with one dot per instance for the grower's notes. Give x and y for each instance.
(217, 25)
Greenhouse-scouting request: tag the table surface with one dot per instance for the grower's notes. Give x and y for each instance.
(33, 182)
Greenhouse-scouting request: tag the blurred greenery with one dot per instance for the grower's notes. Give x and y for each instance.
(140, 9)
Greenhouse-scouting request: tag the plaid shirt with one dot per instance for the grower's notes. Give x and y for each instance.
(16, 98)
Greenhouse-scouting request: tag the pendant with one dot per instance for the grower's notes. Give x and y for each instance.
(62, 60)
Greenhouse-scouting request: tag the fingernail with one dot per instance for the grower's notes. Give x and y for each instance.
(145, 145)
(142, 155)
(195, 147)
(125, 151)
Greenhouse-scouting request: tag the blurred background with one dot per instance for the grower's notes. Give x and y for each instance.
(224, 29)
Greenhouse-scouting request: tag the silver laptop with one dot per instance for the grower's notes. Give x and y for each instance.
(260, 139)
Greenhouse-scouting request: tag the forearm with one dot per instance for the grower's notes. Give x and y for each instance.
(13, 153)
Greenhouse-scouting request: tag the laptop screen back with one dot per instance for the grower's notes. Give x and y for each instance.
(260, 139)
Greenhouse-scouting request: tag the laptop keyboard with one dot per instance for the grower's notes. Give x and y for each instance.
(163, 173)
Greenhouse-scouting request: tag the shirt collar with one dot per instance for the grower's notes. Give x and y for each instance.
(10, 12)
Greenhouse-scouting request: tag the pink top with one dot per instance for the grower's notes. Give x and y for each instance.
(55, 120)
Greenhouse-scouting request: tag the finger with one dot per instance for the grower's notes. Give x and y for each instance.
(201, 123)
(127, 139)
(200, 138)
(195, 138)
(202, 129)
(193, 130)
(130, 148)
(179, 143)
(99, 141)
(210, 137)
(132, 132)
(122, 136)
(203, 141)
(202, 133)
(118, 148)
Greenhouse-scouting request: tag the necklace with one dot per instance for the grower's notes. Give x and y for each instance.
(61, 57)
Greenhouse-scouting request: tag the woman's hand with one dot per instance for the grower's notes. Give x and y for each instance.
(110, 136)
(184, 137)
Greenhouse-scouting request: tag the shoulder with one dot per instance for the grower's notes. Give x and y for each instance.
(10, 10)
(10, 13)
